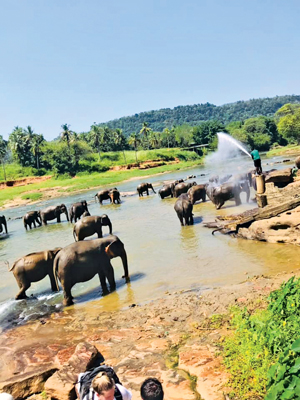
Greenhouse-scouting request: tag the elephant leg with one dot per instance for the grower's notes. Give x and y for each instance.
(111, 277)
(180, 219)
(147, 192)
(237, 200)
(23, 285)
(58, 219)
(220, 204)
(44, 221)
(103, 282)
(53, 282)
(30, 225)
(34, 224)
(99, 233)
(26, 226)
(68, 298)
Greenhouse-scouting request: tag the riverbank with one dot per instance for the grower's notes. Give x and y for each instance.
(51, 188)
(177, 338)
(284, 150)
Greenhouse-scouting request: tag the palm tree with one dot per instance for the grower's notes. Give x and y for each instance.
(167, 133)
(134, 140)
(16, 143)
(3, 152)
(66, 133)
(145, 131)
(153, 140)
(97, 138)
(119, 139)
(36, 142)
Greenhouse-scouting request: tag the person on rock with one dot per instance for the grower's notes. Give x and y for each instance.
(151, 389)
(103, 387)
(257, 161)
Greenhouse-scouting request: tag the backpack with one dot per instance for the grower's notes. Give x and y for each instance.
(85, 381)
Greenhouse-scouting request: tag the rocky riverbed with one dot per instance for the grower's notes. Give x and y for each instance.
(171, 338)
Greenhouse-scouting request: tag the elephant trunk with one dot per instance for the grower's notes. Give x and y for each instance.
(67, 215)
(110, 228)
(125, 266)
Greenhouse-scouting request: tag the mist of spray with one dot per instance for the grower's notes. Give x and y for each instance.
(229, 151)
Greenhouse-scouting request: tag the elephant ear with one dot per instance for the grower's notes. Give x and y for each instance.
(111, 248)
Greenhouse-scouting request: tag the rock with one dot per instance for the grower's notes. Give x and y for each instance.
(24, 385)
(281, 229)
(280, 176)
(297, 162)
(61, 384)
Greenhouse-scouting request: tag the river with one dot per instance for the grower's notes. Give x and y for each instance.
(162, 255)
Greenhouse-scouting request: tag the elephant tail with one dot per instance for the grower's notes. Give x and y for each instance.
(12, 267)
(55, 267)
(74, 234)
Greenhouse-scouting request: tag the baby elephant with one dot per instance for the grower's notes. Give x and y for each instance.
(184, 209)
(33, 268)
(87, 226)
(144, 187)
(31, 218)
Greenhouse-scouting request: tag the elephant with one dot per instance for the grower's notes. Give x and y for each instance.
(4, 223)
(183, 188)
(77, 210)
(31, 218)
(87, 226)
(33, 268)
(86, 214)
(197, 192)
(81, 261)
(229, 190)
(104, 195)
(167, 190)
(52, 212)
(144, 187)
(184, 209)
(114, 195)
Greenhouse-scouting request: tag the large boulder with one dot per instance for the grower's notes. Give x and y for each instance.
(280, 176)
(61, 385)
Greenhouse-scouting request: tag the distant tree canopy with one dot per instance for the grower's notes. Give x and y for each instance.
(193, 115)
(73, 152)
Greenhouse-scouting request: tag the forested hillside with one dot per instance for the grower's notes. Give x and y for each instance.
(197, 113)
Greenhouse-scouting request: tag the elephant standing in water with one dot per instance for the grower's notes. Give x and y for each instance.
(229, 190)
(33, 268)
(183, 188)
(166, 190)
(31, 218)
(109, 194)
(88, 226)
(81, 261)
(50, 213)
(184, 209)
(4, 223)
(197, 192)
(77, 210)
(144, 187)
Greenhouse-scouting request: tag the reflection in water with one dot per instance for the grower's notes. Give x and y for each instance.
(162, 255)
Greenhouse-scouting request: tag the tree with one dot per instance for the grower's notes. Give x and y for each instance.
(97, 138)
(134, 140)
(66, 134)
(21, 147)
(205, 132)
(36, 143)
(153, 140)
(3, 153)
(144, 132)
(120, 141)
(183, 135)
(258, 133)
(167, 134)
(289, 122)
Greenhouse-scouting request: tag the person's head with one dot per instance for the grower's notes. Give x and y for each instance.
(151, 389)
(104, 386)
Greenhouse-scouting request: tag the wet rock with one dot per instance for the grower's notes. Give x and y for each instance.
(281, 176)
(61, 384)
(28, 383)
(297, 162)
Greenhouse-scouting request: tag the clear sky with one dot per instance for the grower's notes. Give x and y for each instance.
(86, 61)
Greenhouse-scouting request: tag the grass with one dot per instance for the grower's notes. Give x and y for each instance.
(282, 150)
(66, 185)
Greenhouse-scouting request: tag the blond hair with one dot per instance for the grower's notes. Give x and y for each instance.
(102, 383)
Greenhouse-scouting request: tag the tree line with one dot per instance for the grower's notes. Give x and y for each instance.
(75, 152)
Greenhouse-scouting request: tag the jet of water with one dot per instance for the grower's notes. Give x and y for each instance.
(224, 159)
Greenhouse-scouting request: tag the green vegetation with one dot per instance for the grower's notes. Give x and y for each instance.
(32, 196)
(263, 353)
(195, 114)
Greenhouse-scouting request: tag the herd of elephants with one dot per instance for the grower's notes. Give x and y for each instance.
(82, 260)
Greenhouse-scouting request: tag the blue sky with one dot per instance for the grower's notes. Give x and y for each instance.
(85, 61)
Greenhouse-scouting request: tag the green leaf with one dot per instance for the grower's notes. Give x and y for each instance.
(287, 394)
(296, 346)
(296, 367)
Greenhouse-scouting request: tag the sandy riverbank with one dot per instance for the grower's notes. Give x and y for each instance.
(171, 338)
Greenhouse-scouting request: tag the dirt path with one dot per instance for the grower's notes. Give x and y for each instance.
(169, 338)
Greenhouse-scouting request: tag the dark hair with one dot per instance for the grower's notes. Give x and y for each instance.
(151, 389)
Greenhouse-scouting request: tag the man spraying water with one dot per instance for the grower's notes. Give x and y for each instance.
(257, 161)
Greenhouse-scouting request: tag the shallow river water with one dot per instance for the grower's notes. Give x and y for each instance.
(162, 255)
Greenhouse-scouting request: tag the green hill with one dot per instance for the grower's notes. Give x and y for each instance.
(197, 113)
